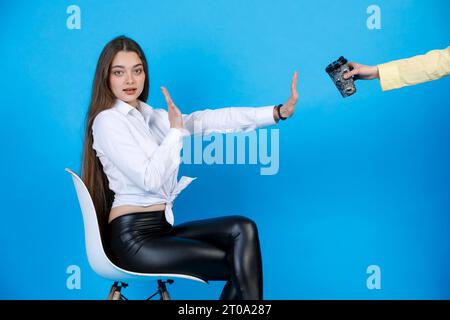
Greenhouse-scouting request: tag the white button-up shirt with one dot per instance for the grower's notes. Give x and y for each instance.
(140, 153)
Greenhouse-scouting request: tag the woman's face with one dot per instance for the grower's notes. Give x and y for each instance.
(127, 77)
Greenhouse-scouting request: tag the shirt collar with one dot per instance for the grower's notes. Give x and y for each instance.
(125, 109)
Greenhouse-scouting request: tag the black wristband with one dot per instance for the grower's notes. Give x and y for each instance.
(279, 113)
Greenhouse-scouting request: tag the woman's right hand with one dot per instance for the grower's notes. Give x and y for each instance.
(175, 117)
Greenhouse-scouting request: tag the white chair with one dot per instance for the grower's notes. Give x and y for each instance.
(99, 261)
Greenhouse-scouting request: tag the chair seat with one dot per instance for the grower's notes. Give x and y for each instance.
(116, 273)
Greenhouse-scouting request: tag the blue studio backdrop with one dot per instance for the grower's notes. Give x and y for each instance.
(351, 197)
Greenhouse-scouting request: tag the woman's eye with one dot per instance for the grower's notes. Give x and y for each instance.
(138, 71)
(117, 73)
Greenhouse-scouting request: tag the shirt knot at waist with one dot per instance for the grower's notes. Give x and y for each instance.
(169, 198)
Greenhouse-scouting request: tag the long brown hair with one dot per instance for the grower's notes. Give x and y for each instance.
(102, 98)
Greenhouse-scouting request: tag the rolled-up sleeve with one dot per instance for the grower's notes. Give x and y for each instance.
(228, 120)
(433, 65)
(113, 139)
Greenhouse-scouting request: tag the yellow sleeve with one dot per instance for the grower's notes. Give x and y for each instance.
(433, 65)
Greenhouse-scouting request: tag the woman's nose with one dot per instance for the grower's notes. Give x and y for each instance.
(130, 79)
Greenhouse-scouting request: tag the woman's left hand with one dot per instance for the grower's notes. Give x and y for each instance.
(288, 108)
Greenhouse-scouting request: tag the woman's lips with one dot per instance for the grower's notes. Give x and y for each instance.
(130, 91)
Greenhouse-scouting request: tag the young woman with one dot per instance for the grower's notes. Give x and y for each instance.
(130, 165)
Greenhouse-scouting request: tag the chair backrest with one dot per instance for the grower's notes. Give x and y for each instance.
(97, 257)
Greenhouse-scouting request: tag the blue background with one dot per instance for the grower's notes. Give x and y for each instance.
(362, 180)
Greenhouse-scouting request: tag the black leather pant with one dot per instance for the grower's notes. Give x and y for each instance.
(224, 248)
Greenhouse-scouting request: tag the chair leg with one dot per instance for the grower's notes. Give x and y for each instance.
(116, 292)
(164, 294)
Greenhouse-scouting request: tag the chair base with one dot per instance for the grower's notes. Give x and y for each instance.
(115, 293)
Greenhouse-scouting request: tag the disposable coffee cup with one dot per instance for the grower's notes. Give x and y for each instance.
(336, 71)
